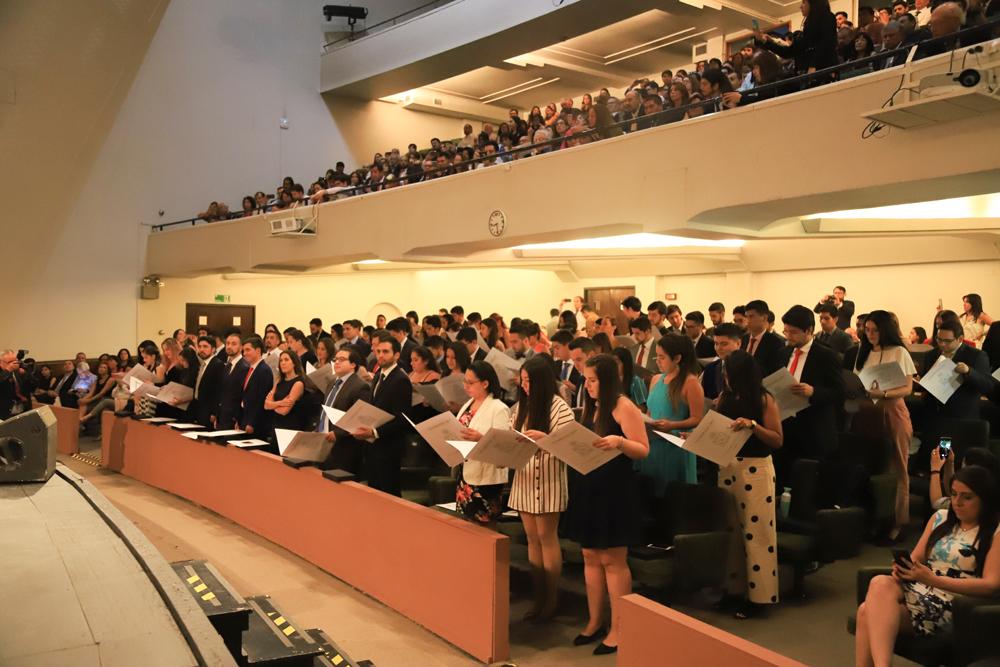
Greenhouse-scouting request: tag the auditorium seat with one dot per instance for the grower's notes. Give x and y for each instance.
(689, 549)
(973, 636)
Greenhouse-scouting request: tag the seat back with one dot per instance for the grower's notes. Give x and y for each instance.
(693, 508)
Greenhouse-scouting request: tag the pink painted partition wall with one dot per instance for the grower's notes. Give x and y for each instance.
(414, 559)
(67, 429)
(656, 636)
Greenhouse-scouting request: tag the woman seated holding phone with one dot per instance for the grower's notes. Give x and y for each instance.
(952, 557)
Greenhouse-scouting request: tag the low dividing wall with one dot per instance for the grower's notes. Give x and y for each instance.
(68, 429)
(656, 636)
(416, 560)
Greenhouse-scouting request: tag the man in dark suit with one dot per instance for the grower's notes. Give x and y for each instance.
(580, 350)
(352, 336)
(567, 377)
(67, 398)
(399, 327)
(644, 350)
(812, 433)
(235, 371)
(468, 337)
(316, 330)
(727, 339)
(222, 353)
(392, 392)
(347, 389)
(257, 384)
(208, 386)
(694, 327)
(761, 344)
(845, 309)
(830, 334)
(972, 367)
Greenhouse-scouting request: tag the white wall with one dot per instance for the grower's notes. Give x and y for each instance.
(199, 123)
(910, 291)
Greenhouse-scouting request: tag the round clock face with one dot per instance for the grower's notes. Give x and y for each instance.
(497, 223)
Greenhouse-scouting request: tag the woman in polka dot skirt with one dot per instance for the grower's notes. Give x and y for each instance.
(753, 560)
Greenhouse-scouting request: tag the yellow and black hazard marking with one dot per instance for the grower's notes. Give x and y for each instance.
(274, 636)
(332, 654)
(89, 459)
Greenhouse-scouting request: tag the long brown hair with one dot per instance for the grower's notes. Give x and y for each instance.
(534, 410)
(599, 412)
(675, 345)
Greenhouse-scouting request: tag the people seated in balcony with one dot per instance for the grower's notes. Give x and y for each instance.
(714, 84)
(862, 46)
(815, 48)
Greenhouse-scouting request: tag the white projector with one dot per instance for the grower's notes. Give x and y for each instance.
(286, 225)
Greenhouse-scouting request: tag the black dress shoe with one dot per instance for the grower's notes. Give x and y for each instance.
(604, 649)
(582, 639)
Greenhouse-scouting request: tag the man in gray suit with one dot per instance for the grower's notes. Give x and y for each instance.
(347, 389)
(644, 351)
(518, 338)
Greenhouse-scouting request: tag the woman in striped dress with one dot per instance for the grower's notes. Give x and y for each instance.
(539, 492)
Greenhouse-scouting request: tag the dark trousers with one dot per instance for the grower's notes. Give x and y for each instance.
(383, 460)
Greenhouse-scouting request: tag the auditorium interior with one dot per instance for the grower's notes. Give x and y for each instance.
(131, 131)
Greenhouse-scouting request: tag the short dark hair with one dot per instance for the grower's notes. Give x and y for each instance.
(758, 306)
(316, 321)
(354, 323)
(841, 287)
(740, 310)
(353, 355)
(254, 341)
(206, 339)
(583, 343)
(632, 303)
(728, 330)
(716, 307)
(457, 310)
(799, 317)
(641, 323)
(696, 316)
(434, 341)
(562, 337)
(658, 306)
(467, 335)
(398, 325)
(396, 347)
(827, 308)
(953, 325)
(433, 320)
(673, 308)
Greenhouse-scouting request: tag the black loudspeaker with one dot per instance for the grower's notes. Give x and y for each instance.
(28, 446)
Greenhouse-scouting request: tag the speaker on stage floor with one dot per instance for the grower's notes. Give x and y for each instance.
(28, 446)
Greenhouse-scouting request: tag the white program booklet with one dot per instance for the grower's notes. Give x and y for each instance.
(361, 414)
(307, 445)
(779, 383)
(573, 444)
(942, 380)
(713, 439)
(883, 377)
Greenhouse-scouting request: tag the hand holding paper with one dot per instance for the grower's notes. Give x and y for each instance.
(942, 380)
(573, 444)
(883, 377)
(780, 383)
(713, 439)
(360, 415)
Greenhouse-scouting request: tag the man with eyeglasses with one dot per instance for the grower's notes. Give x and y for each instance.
(972, 368)
(347, 389)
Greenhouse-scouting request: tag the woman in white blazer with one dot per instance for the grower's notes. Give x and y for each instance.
(480, 484)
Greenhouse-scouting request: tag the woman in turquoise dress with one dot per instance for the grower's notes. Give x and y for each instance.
(675, 403)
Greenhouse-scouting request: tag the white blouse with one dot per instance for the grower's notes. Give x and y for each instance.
(491, 414)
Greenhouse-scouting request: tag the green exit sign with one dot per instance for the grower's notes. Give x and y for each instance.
(222, 298)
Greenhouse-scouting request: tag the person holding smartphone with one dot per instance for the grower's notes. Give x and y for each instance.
(943, 467)
(953, 556)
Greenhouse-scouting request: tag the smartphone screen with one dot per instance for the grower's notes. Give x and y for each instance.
(902, 558)
(944, 448)
(755, 24)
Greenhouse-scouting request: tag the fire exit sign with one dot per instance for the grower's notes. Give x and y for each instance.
(222, 298)
(670, 296)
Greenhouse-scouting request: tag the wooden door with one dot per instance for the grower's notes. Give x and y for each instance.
(219, 317)
(606, 302)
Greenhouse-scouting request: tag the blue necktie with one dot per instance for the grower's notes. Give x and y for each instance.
(565, 371)
(323, 420)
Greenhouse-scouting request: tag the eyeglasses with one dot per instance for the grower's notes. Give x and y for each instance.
(946, 340)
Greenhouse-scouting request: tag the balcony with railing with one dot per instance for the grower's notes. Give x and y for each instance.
(754, 172)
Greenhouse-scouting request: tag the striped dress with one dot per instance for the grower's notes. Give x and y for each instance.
(540, 486)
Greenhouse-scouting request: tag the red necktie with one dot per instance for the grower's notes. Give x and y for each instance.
(795, 360)
(752, 346)
(247, 380)
(642, 351)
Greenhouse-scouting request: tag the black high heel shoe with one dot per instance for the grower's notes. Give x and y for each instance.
(604, 649)
(582, 639)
